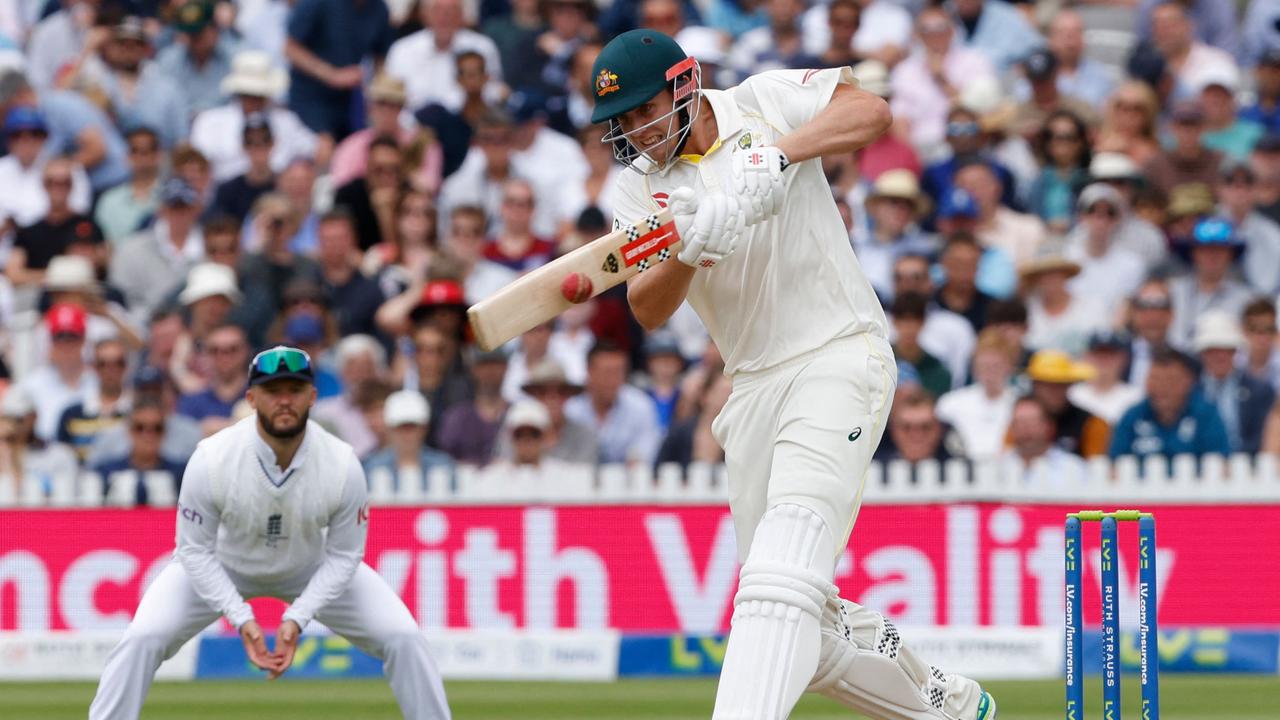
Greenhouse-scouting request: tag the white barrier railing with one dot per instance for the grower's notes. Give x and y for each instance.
(1127, 480)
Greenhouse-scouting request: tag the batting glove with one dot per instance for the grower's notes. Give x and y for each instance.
(757, 179)
(709, 226)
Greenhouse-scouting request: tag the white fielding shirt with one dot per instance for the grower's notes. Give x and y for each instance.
(793, 284)
(239, 513)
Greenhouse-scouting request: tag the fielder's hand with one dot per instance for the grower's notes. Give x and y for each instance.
(286, 645)
(709, 227)
(757, 179)
(255, 646)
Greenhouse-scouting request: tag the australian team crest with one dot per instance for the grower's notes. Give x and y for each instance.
(606, 82)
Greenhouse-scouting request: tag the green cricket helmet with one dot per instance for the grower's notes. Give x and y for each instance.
(630, 71)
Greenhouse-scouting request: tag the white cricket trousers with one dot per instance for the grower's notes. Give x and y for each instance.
(369, 614)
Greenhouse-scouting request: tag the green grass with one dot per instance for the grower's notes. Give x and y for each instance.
(1182, 697)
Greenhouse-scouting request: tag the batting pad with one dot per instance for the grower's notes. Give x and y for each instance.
(775, 636)
(864, 665)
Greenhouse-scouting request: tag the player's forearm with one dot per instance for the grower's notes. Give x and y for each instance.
(329, 581)
(852, 120)
(344, 549)
(211, 582)
(655, 295)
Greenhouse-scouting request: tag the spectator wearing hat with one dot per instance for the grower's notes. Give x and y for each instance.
(70, 279)
(1188, 160)
(1032, 453)
(122, 210)
(353, 297)
(82, 422)
(406, 456)
(1109, 272)
(210, 294)
(908, 316)
(469, 429)
(226, 354)
(1052, 373)
(254, 85)
(531, 469)
(778, 44)
(1225, 131)
(26, 199)
(945, 335)
(60, 227)
(235, 197)
(145, 475)
(1173, 419)
(958, 217)
(1059, 317)
(149, 266)
(1017, 234)
(568, 441)
(1078, 76)
(424, 61)
(935, 72)
(893, 206)
(1062, 145)
(328, 42)
(199, 63)
(138, 92)
(534, 348)
(1106, 394)
(386, 101)
(76, 128)
(980, 411)
(1173, 34)
(625, 419)
(25, 459)
(1260, 264)
(1043, 99)
(1242, 402)
(1260, 358)
(66, 378)
(438, 302)
(1265, 110)
(1135, 234)
(1213, 249)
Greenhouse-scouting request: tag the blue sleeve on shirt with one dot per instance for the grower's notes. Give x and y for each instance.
(1122, 437)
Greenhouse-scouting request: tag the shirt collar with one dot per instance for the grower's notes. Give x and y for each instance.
(267, 456)
(728, 124)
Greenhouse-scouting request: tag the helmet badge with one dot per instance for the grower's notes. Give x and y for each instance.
(606, 82)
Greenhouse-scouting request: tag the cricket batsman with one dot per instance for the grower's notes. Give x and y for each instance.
(767, 265)
(272, 506)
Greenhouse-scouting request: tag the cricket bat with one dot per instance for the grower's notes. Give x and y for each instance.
(537, 296)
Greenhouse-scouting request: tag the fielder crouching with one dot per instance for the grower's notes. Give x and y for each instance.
(272, 506)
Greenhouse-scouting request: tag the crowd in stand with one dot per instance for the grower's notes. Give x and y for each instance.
(1076, 244)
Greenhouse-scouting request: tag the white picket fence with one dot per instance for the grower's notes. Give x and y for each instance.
(1215, 479)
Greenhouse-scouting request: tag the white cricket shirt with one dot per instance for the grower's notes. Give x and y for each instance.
(793, 285)
(240, 514)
